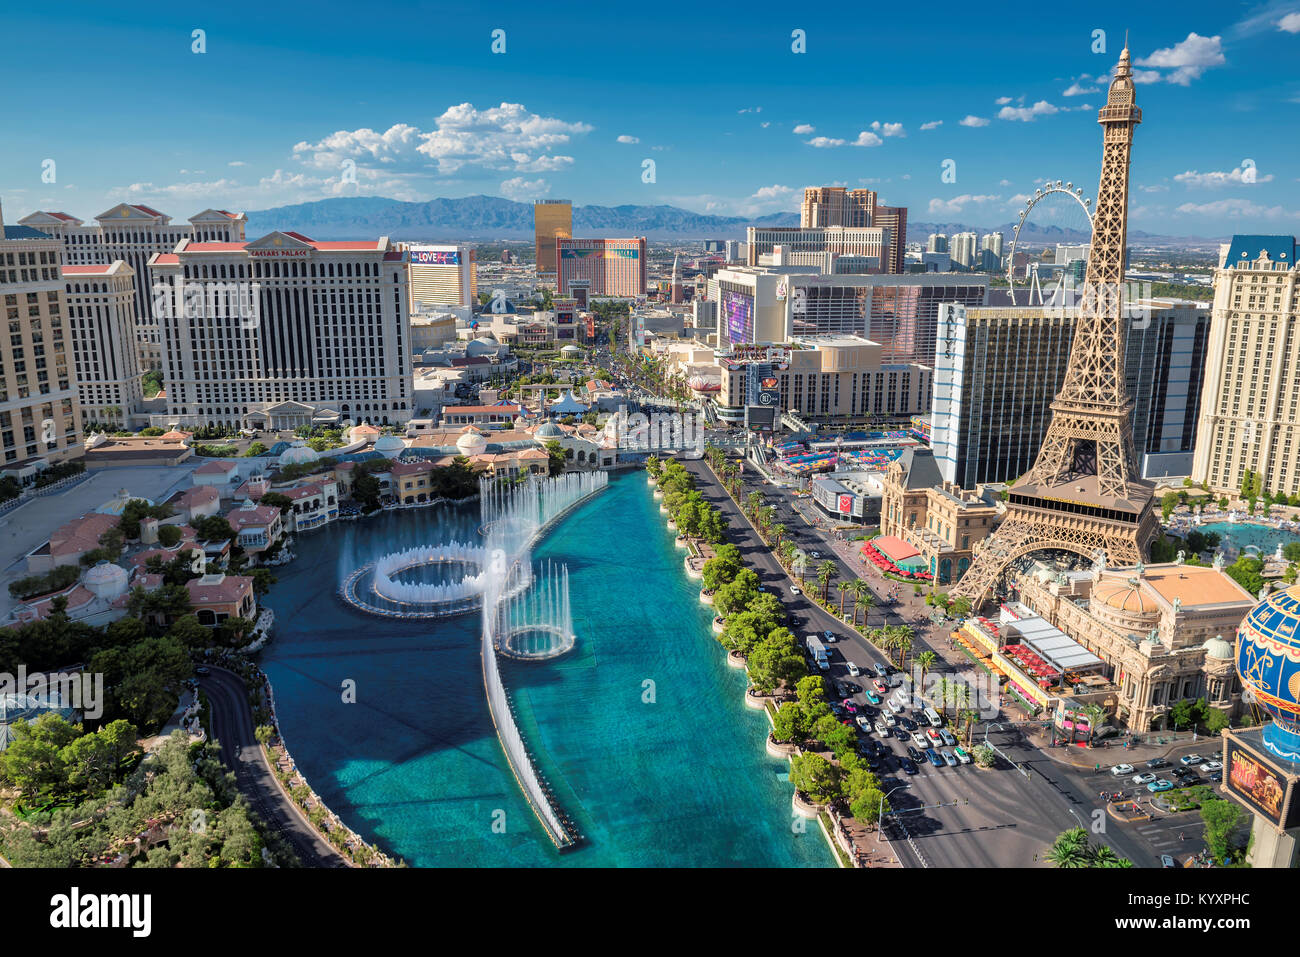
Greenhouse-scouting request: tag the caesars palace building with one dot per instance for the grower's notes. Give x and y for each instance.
(283, 332)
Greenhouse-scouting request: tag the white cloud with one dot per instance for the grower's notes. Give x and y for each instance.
(932, 125)
(957, 204)
(1155, 188)
(1019, 199)
(1188, 59)
(1234, 177)
(1141, 77)
(888, 129)
(752, 109)
(1027, 114)
(191, 172)
(505, 137)
(520, 189)
(236, 163)
(867, 138)
(824, 142)
(1002, 100)
(1289, 23)
(972, 120)
(629, 139)
(1078, 89)
(1234, 209)
(804, 129)
(1004, 182)
(765, 124)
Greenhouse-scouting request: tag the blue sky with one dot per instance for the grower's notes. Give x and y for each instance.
(283, 100)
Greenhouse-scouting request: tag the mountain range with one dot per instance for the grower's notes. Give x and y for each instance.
(496, 218)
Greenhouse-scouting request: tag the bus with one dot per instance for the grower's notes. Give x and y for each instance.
(932, 716)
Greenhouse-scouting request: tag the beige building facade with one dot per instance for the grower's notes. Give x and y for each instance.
(1250, 409)
(101, 319)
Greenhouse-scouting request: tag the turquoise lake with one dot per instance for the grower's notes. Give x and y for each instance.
(641, 729)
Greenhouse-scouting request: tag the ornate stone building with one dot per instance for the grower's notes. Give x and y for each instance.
(937, 518)
(1159, 628)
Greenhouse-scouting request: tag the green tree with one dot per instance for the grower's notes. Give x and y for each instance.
(814, 776)
(1221, 819)
(35, 760)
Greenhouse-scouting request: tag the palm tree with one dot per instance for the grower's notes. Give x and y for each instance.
(1070, 849)
(862, 596)
(945, 689)
(926, 660)
(845, 588)
(1096, 715)
(778, 533)
(971, 716)
(828, 569)
(752, 503)
(1103, 856)
(903, 642)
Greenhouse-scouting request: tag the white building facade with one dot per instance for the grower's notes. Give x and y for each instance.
(101, 320)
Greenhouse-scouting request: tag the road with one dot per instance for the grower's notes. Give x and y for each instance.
(232, 726)
(993, 818)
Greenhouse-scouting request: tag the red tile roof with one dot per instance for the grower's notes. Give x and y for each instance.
(94, 269)
(216, 467)
(218, 589)
(256, 517)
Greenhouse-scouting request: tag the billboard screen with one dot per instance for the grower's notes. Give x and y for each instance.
(763, 419)
(1256, 783)
(846, 504)
(436, 257)
(738, 311)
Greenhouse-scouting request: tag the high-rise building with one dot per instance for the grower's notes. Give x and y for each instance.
(442, 275)
(894, 219)
(837, 206)
(590, 268)
(997, 371)
(1250, 416)
(40, 420)
(901, 313)
(101, 325)
(285, 331)
(132, 233)
(808, 247)
(675, 286)
(552, 219)
(962, 248)
(937, 243)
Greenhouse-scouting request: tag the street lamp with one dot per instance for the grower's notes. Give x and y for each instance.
(880, 814)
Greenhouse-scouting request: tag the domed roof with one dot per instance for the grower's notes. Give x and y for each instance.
(106, 580)
(571, 349)
(389, 446)
(548, 430)
(1216, 647)
(471, 443)
(297, 454)
(482, 346)
(1268, 661)
(1123, 596)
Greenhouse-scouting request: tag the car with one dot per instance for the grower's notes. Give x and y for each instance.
(962, 755)
(889, 719)
(949, 758)
(894, 709)
(880, 748)
(1211, 766)
(871, 697)
(914, 753)
(1143, 778)
(882, 729)
(1188, 759)
(934, 758)
(880, 686)
(1120, 770)
(1216, 776)
(849, 688)
(849, 706)
(902, 733)
(948, 739)
(816, 554)
(863, 722)
(1167, 861)
(854, 669)
(1157, 763)
(880, 670)
(794, 590)
(202, 670)
(907, 765)
(829, 637)
(1181, 773)
(934, 736)
(908, 723)
(920, 740)
(1190, 781)
(1155, 787)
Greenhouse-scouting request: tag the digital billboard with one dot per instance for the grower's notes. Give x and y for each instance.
(761, 419)
(845, 504)
(436, 257)
(738, 310)
(1258, 784)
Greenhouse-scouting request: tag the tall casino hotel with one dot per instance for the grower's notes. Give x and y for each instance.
(283, 332)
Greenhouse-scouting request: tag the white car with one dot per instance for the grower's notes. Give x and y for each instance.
(1143, 778)
(1209, 767)
(894, 707)
(920, 740)
(794, 590)
(1120, 770)
(863, 722)
(890, 720)
(854, 670)
(882, 729)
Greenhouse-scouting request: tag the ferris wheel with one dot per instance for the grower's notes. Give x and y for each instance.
(1061, 206)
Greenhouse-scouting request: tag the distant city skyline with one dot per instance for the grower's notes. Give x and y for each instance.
(727, 117)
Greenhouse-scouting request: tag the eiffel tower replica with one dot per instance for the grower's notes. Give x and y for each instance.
(1084, 493)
